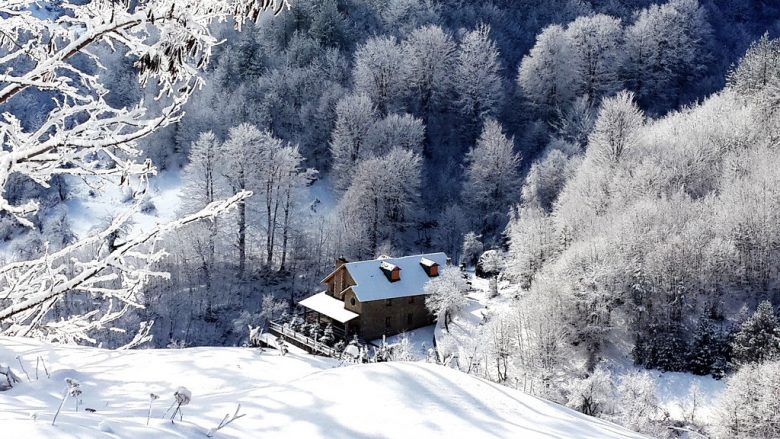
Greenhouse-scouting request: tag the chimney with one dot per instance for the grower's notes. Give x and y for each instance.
(340, 261)
(392, 272)
(430, 266)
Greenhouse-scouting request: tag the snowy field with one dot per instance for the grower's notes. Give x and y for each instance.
(295, 396)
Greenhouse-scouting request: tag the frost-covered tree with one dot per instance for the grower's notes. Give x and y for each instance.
(446, 295)
(749, 407)
(241, 151)
(637, 401)
(492, 178)
(477, 77)
(380, 202)
(668, 47)
(170, 43)
(395, 131)
(758, 339)
(617, 129)
(593, 394)
(202, 187)
(596, 43)
(431, 55)
(758, 68)
(355, 118)
(380, 73)
(532, 243)
(471, 249)
(546, 74)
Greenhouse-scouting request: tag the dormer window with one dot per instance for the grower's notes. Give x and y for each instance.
(430, 266)
(392, 272)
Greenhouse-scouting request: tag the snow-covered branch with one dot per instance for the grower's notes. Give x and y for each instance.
(79, 133)
(29, 289)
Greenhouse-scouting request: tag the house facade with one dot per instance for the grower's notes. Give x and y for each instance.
(377, 297)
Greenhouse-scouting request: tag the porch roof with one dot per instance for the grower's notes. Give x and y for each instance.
(329, 306)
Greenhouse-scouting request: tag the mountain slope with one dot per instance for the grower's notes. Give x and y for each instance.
(293, 396)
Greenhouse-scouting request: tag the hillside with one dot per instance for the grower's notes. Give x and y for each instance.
(292, 396)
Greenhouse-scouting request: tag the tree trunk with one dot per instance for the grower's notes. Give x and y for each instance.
(285, 230)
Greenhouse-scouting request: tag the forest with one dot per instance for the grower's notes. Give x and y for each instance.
(616, 160)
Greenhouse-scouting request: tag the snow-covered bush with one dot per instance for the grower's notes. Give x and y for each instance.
(636, 404)
(593, 394)
(750, 407)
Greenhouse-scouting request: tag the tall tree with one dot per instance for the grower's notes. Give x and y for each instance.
(241, 151)
(546, 75)
(477, 78)
(380, 73)
(355, 117)
(492, 178)
(431, 55)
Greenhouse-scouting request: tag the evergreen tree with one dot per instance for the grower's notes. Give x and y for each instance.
(758, 339)
(704, 349)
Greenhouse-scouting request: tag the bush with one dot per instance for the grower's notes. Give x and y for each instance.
(750, 407)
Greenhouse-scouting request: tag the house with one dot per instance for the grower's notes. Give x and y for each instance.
(377, 297)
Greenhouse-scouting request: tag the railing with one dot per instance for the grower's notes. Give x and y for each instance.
(306, 341)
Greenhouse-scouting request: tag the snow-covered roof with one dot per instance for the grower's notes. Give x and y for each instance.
(372, 284)
(330, 306)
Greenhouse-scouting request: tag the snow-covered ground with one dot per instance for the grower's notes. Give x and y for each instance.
(88, 211)
(295, 396)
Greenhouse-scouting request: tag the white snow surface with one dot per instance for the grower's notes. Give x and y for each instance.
(328, 305)
(292, 396)
(372, 284)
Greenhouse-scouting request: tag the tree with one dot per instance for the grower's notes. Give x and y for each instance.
(446, 295)
(758, 68)
(355, 117)
(82, 125)
(617, 130)
(492, 178)
(637, 400)
(201, 189)
(546, 74)
(593, 394)
(431, 55)
(381, 201)
(596, 43)
(380, 73)
(477, 78)
(758, 339)
(668, 49)
(395, 131)
(242, 151)
(471, 249)
(749, 407)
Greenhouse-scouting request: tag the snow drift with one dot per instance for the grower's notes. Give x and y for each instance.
(292, 396)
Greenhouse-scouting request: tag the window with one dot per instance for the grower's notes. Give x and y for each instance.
(411, 299)
(388, 302)
(409, 318)
(387, 322)
(352, 301)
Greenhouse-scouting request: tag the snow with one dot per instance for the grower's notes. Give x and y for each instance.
(291, 396)
(420, 339)
(372, 284)
(331, 307)
(86, 213)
